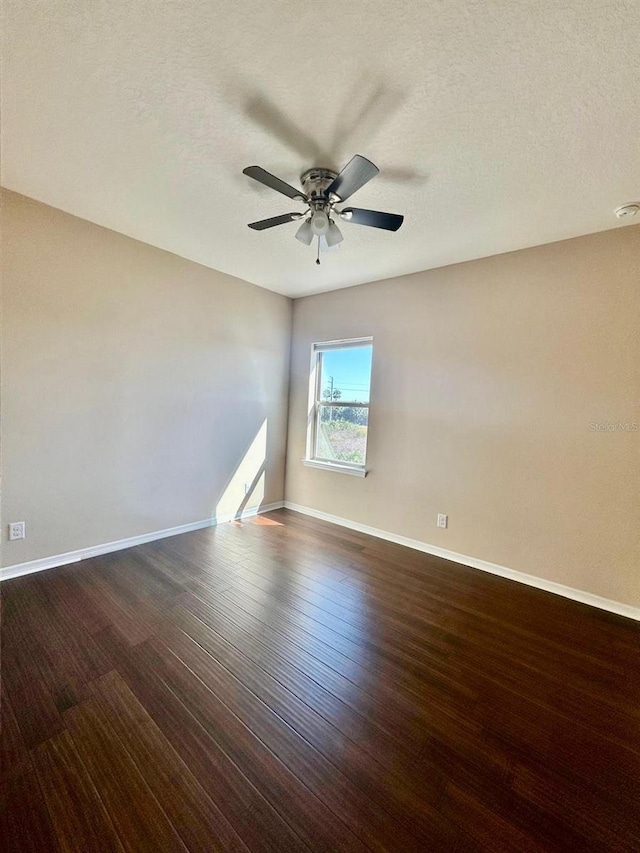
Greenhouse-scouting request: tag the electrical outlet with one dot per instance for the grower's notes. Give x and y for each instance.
(17, 530)
(443, 520)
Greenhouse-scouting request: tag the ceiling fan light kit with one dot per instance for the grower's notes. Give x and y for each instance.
(323, 189)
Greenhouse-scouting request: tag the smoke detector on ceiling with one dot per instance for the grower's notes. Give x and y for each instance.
(628, 210)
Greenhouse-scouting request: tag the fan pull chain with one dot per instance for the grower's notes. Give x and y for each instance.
(318, 255)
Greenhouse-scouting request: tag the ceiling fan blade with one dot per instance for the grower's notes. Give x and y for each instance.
(373, 218)
(270, 180)
(274, 220)
(355, 175)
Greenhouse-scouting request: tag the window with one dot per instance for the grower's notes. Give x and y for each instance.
(339, 405)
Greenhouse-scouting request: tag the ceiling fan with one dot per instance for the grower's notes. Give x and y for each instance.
(322, 190)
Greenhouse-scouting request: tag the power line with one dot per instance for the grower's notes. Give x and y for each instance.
(356, 385)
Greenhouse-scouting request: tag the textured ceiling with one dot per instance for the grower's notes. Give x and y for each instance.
(496, 125)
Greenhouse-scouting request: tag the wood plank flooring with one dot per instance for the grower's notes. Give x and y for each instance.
(282, 684)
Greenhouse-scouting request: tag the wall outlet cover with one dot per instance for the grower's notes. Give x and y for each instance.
(17, 530)
(443, 520)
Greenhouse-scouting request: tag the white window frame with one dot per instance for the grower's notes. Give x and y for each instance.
(315, 400)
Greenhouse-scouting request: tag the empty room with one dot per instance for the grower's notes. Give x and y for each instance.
(320, 443)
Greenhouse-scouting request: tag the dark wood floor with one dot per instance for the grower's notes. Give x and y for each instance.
(282, 684)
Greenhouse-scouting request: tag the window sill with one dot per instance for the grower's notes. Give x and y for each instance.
(335, 466)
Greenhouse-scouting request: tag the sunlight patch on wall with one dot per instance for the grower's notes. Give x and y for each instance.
(246, 488)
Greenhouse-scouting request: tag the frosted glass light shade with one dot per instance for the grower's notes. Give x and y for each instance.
(305, 232)
(319, 223)
(333, 235)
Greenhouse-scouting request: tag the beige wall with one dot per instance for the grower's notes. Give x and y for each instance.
(486, 378)
(134, 383)
(142, 391)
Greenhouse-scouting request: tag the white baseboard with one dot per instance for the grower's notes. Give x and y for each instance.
(96, 550)
(494, 569)
(511, 574)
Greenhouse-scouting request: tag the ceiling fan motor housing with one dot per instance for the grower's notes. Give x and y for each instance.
(315, 181)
